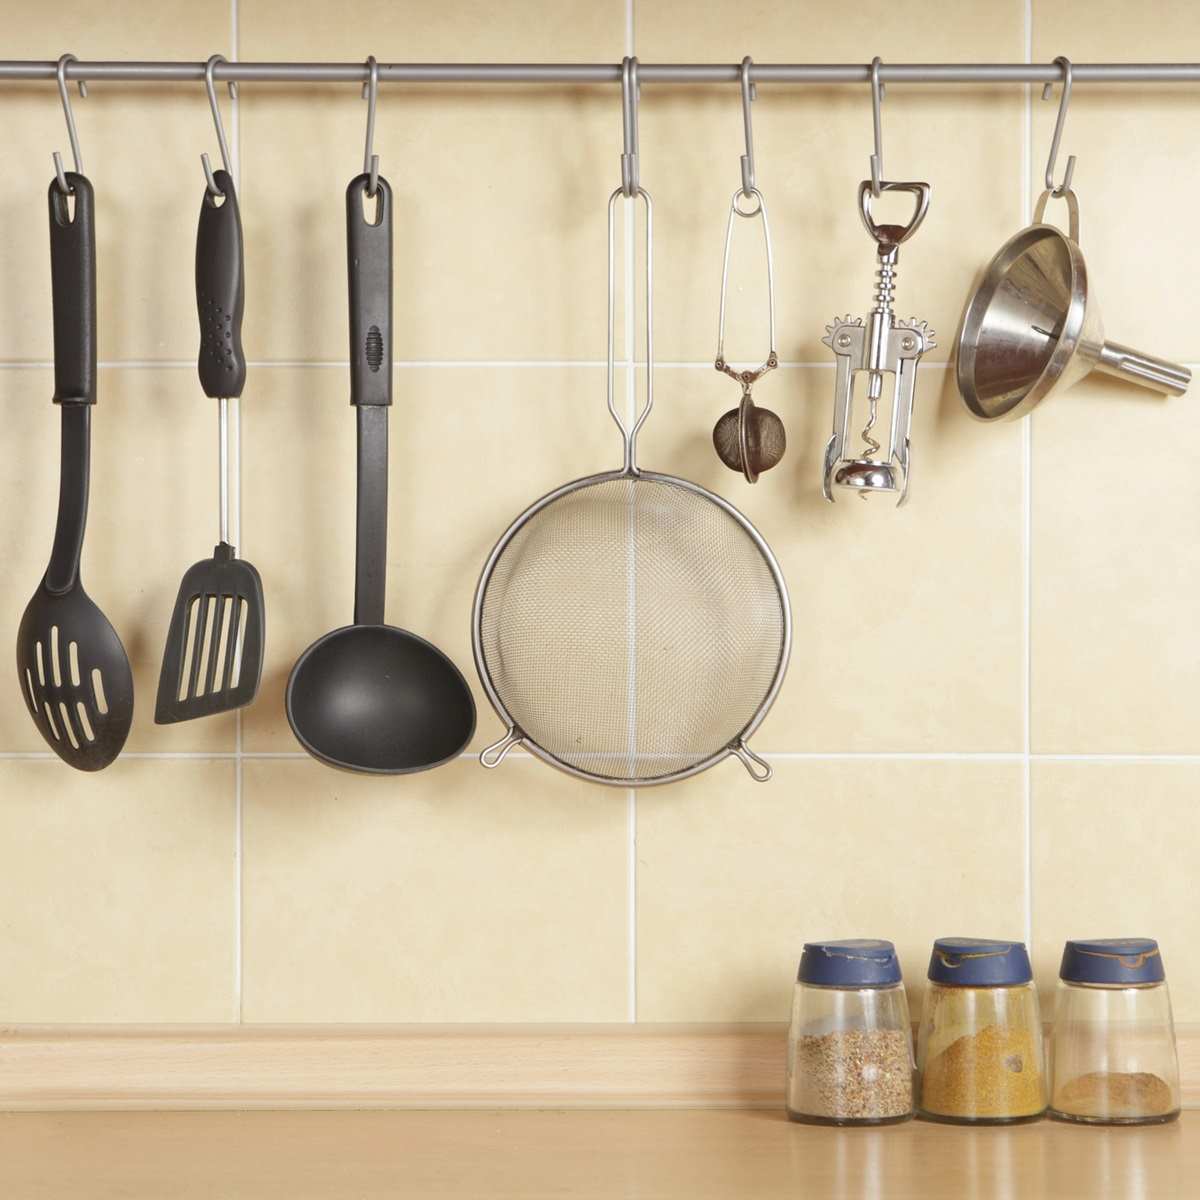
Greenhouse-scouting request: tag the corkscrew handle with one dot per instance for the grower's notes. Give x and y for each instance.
(892, 235)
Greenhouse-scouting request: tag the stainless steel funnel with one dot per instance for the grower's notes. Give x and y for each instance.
(1031, 328)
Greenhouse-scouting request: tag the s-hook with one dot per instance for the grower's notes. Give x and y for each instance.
(877, 94)
(747, 438)
(749, 93)
(72, 132)
(1058, 190)
(370, 92)
(210, 86)
(630, 88)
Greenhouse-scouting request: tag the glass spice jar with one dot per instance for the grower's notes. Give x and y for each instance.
(850, 1042)
(980, 1049)
(1113, 1055)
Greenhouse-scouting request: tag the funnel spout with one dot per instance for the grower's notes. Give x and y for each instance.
(1143, 369)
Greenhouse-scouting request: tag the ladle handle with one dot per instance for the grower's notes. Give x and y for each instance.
(1143, 369)
(220, 293)
(369, 247)
(370, 253)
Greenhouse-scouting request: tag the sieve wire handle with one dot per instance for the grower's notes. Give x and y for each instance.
(493, 755)
(758, 768)
(630, 432)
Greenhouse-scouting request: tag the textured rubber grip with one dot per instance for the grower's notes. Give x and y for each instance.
(220, 292)
(369, 248)
(73, 290)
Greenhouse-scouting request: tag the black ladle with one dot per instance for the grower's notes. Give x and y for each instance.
(370, 697)
(72, 668)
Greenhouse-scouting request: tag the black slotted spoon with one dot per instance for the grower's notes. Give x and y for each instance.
(214, 654)
(73, 670)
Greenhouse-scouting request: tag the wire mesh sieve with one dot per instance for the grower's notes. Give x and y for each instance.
(630, 627)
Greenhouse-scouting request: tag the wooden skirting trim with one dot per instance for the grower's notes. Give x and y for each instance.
(412, 1066)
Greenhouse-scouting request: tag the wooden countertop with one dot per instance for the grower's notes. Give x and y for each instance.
(699, 1154)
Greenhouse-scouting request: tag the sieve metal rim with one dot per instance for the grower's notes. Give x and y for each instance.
(736, 747)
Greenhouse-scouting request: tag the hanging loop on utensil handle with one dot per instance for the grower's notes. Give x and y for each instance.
(630, 432)
(749, 377)
(756, 767)
(1039, 212)
(369, 254)
(887, 237)
(492, 756)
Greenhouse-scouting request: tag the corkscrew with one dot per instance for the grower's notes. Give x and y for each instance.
(883, 344)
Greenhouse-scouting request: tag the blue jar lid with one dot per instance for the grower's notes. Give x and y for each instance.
(1112, 960)
(855, 962)
(979, 962)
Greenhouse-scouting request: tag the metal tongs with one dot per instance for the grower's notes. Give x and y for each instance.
(747, 438)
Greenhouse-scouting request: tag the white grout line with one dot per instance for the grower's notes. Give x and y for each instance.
(631, 967)
(981, 756)
(631, 1006)
(1027, 513)
(239, 836)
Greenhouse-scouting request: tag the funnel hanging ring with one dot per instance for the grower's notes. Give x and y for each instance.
(1072, 200)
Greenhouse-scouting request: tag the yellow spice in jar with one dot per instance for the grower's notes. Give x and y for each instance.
(992, 1073)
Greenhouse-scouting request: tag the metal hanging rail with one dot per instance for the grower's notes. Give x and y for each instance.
(580, 73)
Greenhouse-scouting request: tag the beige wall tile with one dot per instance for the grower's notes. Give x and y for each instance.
(906, 622)
(1132, 145)
(812, 148)
(1114, 848)
(734, 877)
(153, 512)
(141, 149)
(454, 895)
(1115, 562)
(118, 892)
(470, 449)
(499, 192)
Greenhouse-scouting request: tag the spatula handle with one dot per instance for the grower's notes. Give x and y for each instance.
(220, 292)
(369, 246)
(73, 290)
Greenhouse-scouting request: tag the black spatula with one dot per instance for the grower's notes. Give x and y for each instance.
(214, 655)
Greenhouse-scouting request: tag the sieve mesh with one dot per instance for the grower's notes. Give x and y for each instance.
(632, 627)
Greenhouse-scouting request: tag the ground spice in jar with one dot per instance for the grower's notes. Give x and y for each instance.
(853, 1074)
(1120, 1095)
(993, 1073)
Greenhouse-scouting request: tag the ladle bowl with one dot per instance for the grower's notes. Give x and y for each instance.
(379, 699)
(368, 696)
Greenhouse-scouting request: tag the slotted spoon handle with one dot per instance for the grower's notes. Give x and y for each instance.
(73, 297)
(369, 248)
(220, 293)
(73, 291)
